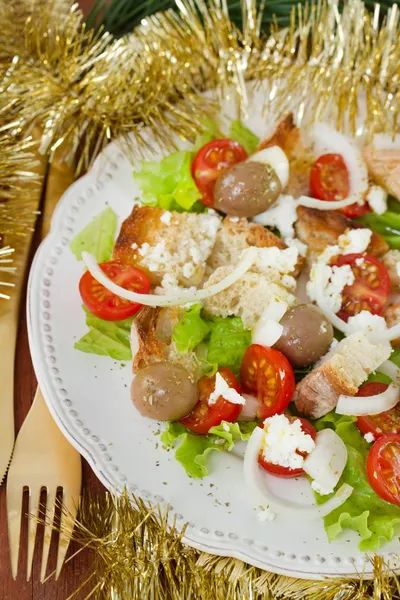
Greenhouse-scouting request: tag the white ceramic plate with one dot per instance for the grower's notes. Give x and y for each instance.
(88, 397)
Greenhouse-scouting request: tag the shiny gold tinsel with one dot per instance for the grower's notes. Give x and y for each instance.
(139, 554)
(6, 267)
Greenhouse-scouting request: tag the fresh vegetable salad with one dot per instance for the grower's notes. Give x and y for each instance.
(255, 288)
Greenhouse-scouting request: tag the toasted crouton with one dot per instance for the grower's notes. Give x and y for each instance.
(390, 260)
(167, 243)
(151, 340)
(392, 318)
(343, 372)
(321, 228)
(247, 298)
(384, 168)
(288, 137)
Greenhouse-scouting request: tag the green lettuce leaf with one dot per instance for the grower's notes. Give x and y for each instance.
(97, 237)
(387, 225)
(364, 512)
(228, 342)
(244, 136)
(191, 330)
(107, 338)
(193, 449)
(168, 183)
(210, 132)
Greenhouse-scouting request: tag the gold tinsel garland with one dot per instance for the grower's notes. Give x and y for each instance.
(85, 88)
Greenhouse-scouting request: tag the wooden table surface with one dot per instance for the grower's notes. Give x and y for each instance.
(73, 573)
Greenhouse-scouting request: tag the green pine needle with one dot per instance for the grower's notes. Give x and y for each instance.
(121, 16)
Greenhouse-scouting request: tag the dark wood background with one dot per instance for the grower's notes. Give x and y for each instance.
(74, 571)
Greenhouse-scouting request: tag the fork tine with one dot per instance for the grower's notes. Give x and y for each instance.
(14, 513)
(50, 510)
(69, 510)
(33, 514)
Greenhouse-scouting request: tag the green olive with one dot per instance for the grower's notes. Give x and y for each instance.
(307, 335)
(246, 189)
(164, 391)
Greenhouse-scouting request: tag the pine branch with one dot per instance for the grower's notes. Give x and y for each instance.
(120, 16)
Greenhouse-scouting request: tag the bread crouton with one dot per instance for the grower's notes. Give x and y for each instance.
(151, 340)
(246, 298)
(343, 372)
(288, 137)
(321, 228)
(235, 236)
(390, 260)
(162, 243)
(384, 168)
(392, 318)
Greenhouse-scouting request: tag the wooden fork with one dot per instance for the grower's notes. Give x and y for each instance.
(43, 459)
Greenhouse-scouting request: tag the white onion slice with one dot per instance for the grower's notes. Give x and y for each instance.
(360, 406)
(385, 141)
(261, 493)
(328, 140)
(388, 368)
(323, 204)
(250, 409)
(275, 158)
(268, 330)
(177, 298)
(325, 464)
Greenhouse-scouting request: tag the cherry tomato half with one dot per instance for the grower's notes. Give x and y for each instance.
(371, 286)
(287, 472)
(267, 373)
(330, 180)
(103, 303)
(385, 422)
(383, 467)
(210, 161)
(204, 415)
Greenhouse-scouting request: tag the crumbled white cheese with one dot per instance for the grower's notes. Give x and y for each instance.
(359, 261)
(367, 322)
(265, 514)
(398, 268)
(284, 440)
(334, 279)
(354, 241)
(166, 218)
(296, 243)
(225, 427)
(184, 251)
(223, 389)
(234, 219)
(369, 437)
(320, 490)
(283, 261)
(281, 215)
(377, 199)
(288, 282)
(134, 246)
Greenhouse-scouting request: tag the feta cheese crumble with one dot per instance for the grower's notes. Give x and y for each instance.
(166, 218)
(283, 440)
(283, 261)
(333, 281)
(367, 322)
(281, 215)
(398, 268)
(369, 437)
(354, 241)
(377, 199)
(268, 330)
(321, 490)
(223, 389)
(265, 514)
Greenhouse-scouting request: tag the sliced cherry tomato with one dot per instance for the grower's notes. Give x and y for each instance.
(383, 467)
(106, 305)
(267, 373)
(204, 416)
(385, 422)
(287, 472)
(210, 161)
(329, 178)
(371, 286)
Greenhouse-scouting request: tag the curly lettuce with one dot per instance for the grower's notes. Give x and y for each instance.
(243, 136)
(107, 338)
(97, 237)
(192, 450)
(191, 330)
(374, 519)
(168, 183)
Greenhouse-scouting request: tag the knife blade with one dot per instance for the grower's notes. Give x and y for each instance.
(9, 313)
